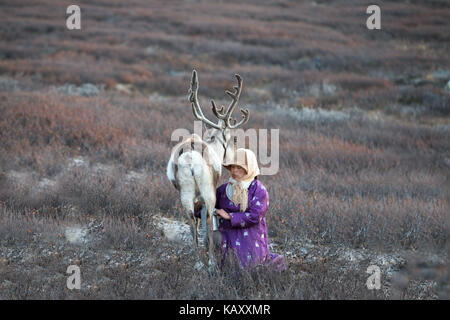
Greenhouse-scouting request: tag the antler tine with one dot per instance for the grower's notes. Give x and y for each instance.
(193, 98)
(217, 113)
(193, 89)
(245, 116)
(235, 96)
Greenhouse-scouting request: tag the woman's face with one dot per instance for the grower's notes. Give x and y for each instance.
(237, 172)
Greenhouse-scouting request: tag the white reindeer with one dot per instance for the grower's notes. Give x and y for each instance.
(195, 165)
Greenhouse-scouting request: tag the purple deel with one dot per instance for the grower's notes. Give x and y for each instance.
(246, 232)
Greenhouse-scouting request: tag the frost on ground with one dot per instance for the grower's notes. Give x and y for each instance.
(78, 162)
(86, 89)
(75, 235)
(174, 230)
(30, 180)
(307, 114)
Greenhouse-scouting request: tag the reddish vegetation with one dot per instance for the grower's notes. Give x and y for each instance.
(279, 44)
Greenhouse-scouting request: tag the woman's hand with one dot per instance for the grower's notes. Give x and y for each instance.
(223, 214)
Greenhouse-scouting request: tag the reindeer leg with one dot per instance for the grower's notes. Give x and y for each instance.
(211, 252)
(199, 265)
(202, 232)
(187, 200)
(193, 225)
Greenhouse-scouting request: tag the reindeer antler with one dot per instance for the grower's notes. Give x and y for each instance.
(218, 113)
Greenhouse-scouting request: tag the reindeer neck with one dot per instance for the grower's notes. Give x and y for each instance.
(217, 147)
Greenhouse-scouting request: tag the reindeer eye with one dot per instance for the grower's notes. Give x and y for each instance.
(213, 138)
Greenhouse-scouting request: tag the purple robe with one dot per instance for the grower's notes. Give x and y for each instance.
(246, 232)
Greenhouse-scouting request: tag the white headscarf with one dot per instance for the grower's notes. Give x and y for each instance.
(237, 190)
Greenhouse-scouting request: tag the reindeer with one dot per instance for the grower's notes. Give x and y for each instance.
(195, 165)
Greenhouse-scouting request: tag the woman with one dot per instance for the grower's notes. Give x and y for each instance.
(242, 204)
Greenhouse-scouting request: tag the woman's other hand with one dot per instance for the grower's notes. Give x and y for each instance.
(223, 214)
